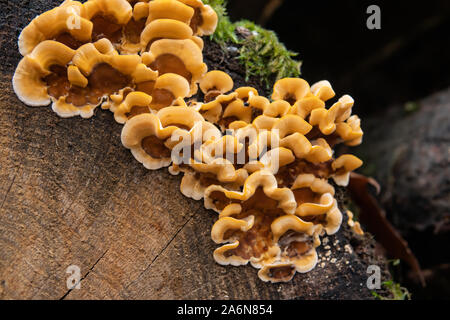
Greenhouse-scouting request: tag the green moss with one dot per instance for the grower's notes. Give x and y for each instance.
(397, 292)
(261, 54)
(225, 31)
(264, 56)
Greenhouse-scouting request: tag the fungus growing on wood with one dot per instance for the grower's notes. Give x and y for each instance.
(147, 135)
(204, 21)
(323, 90)
(245, 93)
(277, 108)
(343, 166)
(350, 131)
(212, 111)
(108, 17)
(258, 104)
(93, 77)
(166, 29)
(263, 165)
(135, 104)
(198, 177)
(76, 81)
(355, 225)
(216, 197)
(326, 119)
(297, 242)
(235, 111)
(304, 106)
(215, 83)
(215, 163)
(36, 74)
(272, 160)
(169, 9)
(132, 31)
(315, 202)
(66, 24)
(182, 57)
(168, 87)
(290, 90)
(260, 196)
(254, 228)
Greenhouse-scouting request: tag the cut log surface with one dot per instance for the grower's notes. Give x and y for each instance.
(71, 194)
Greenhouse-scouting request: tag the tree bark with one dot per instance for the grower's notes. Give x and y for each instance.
(70, 194)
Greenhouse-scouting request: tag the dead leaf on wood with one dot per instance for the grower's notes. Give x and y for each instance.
(374, 218)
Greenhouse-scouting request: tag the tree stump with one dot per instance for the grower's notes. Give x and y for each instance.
(70, 194)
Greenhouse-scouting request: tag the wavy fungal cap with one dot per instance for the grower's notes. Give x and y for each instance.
(326, 119)
(66, 22)
(260, 233)
(290, 90)
(146, 134)
(245, 93)
(315, 202)
(217, 81)
(135, 103)
(350, 131)
(77, 81)
(169, 9)
(27, 80)
(264, 179)
(119, 10)
(167, 29)
(343, 166)
(304, 106)
(88, 57)
(213, 110)
(204, 20)
(182, 57)
(323, 90)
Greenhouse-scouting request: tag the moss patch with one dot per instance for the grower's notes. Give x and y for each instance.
(225, 31)
(396, 290)
(261, 53)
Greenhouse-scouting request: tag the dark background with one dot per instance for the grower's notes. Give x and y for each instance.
(407, 59)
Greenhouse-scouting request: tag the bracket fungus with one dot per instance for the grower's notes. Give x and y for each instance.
(182, 57)
(263, 164)
(167, 29)
(213, 110)
(33, 81)
(290, 90)
(258, 226)
(215, 83)
(204, 21)
(66, 24)
(148, 135)
(169, 9)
